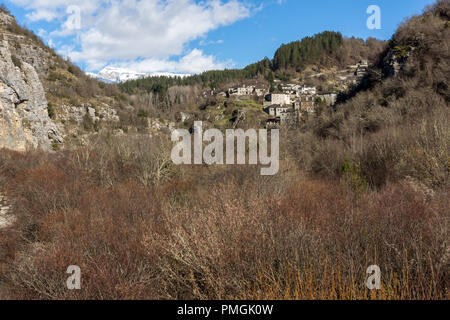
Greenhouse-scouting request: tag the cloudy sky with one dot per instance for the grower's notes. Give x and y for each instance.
(190, 36)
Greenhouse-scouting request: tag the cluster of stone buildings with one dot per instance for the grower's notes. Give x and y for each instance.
(294, 102)
(291, 101)
(298, 90)
(289, 104)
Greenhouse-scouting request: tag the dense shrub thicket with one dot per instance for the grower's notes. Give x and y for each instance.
(140, 228)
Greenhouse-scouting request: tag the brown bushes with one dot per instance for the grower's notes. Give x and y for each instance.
(340, 238)
(217, 233)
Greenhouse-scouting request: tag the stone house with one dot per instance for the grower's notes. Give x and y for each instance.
(277, 98)
(307, 90)
(282, 114)
(277, 110)
(307, 104)
(273, 122)
(290, 88)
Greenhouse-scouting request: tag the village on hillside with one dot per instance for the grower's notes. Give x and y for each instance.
(288, 102)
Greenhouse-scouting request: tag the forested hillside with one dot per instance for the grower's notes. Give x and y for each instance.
(321, 49)
(327, 49)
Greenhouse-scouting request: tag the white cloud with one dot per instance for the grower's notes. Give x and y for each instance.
(194, 62)
(50, 10)
(148, 31)
(206, 43)
(47, 15)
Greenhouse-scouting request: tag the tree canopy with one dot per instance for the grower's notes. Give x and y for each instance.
(299, 54)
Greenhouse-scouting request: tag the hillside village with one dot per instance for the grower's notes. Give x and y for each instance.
(290, 102)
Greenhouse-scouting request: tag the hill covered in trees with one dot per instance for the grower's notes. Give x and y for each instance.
(309, 50)
(326, 49)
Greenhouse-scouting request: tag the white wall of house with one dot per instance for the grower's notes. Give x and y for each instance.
(281, 99)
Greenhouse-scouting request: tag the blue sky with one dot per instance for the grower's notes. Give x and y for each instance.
(188, 36)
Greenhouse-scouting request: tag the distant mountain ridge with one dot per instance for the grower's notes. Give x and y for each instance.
(118, 75)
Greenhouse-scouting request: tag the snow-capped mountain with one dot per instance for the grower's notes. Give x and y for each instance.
(117, 75)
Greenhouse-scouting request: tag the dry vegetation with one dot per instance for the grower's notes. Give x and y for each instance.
(367, 183)
(397, 127)
(211, 233)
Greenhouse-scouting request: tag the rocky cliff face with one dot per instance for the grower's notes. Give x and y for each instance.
(395, 60)
(24, 119)
(45, 99)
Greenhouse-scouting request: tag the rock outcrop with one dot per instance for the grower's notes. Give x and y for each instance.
(100, 113)
(24, 119)
(6, 218)
(395, 60)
